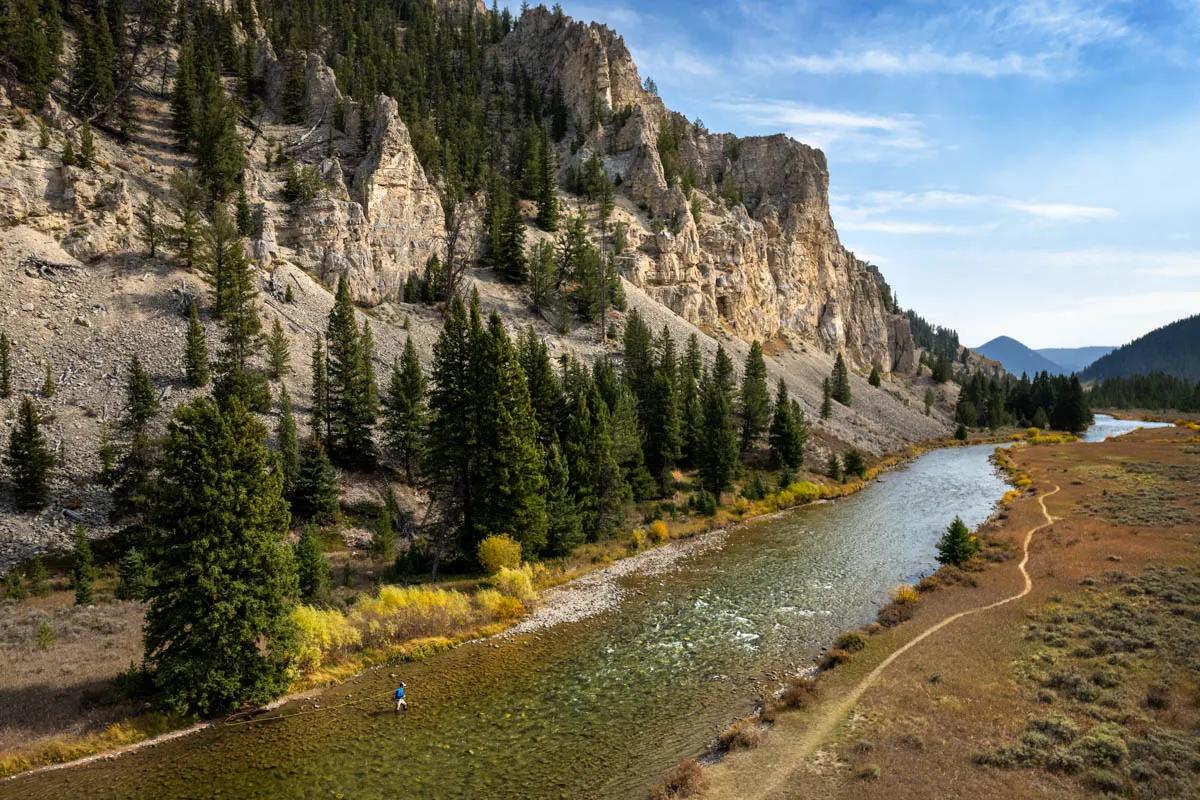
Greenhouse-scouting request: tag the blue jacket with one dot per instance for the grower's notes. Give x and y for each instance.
(400, 693)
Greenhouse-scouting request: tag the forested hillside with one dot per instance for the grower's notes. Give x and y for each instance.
(1172, 350)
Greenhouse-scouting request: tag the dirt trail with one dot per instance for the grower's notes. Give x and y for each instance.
(822, 727)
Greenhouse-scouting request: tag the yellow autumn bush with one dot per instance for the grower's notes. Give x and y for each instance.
(905, 594)
(497, 606)
(515, 582)
(659, 533)
(321, 632)
(497, 552)
(406, 612)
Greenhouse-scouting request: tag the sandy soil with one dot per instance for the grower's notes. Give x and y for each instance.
(919, 725)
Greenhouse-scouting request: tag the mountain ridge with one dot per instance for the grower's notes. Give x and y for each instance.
(1172, 349)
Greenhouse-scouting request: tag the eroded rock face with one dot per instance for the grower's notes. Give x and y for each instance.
(387, 224)
(768, 264)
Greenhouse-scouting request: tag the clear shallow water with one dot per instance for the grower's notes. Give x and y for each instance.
(1106, 427)
(594, 709)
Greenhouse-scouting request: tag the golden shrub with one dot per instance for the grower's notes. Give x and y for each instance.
(659, 532)
(515, 582)
(498, 551)
(905, 594)
(498, 606)
(637, 539)
(406, 612)
(321, 632)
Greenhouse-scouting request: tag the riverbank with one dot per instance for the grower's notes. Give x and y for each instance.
(1022, 699)
(596, 573)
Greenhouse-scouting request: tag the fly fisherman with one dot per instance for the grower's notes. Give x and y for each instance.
(401, 702)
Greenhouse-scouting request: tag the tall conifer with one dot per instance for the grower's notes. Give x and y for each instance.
(218, 630)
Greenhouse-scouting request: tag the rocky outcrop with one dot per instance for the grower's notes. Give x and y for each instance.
(753, 248)
(389, 222)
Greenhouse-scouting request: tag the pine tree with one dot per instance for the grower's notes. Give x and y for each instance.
(219, 149)
(352, 411)
(597, 484)
(512, 259)
(132, 482)
(545, 389)
(509, 474)
(826, 399)
(235, 307)
(195, 353)
(39, 579)
(874, 378)
(563, 533)
(187, 207)
(404, 410)
(316, 492)
(29, 459)
(839, 381)
(366, 365)
(243, 215)
(32, 36)
(218, 631)
(149, 227)
(789, 431)
(312, 567)
(543, 276)
(133, 576)
(547, 185)
(833, 467)
(930, 399)
(278, 352)
(5, 367)
(957, 545)
(320, 393)
(383, 536)
(854, 464)
(451, 432)
(49, 385)
(625, 432)
(87, 146)
(141, 398)
(719, 451)
(690, 406)
(83, 569)
(755, 403)
(289, 448)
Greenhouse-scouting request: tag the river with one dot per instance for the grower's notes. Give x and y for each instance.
(599, 708)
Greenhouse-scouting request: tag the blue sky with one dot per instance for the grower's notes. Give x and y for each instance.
(1026, 167)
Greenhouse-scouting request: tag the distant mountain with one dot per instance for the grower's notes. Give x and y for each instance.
(1172, 349)
(1074, 359)
(1017, 358)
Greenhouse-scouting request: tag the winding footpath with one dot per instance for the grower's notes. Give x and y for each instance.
(825, 725)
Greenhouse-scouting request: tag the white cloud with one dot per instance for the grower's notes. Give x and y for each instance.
(872, 204)
(909, 228)
(925, 61)
(855, 135)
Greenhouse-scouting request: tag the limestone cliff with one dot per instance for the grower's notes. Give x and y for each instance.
(753, 248)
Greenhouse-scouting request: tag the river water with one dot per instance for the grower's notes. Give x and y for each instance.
(599, 708)
(1106, 427)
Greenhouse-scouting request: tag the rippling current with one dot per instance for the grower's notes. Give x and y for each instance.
(592, 709)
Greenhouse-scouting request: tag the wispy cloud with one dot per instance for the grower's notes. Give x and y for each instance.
(911, 228)
(872, 205)
(924, 61)
(856, 135)
(1063, 212)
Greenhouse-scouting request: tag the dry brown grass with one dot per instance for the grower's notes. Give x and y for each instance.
(684, 780)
